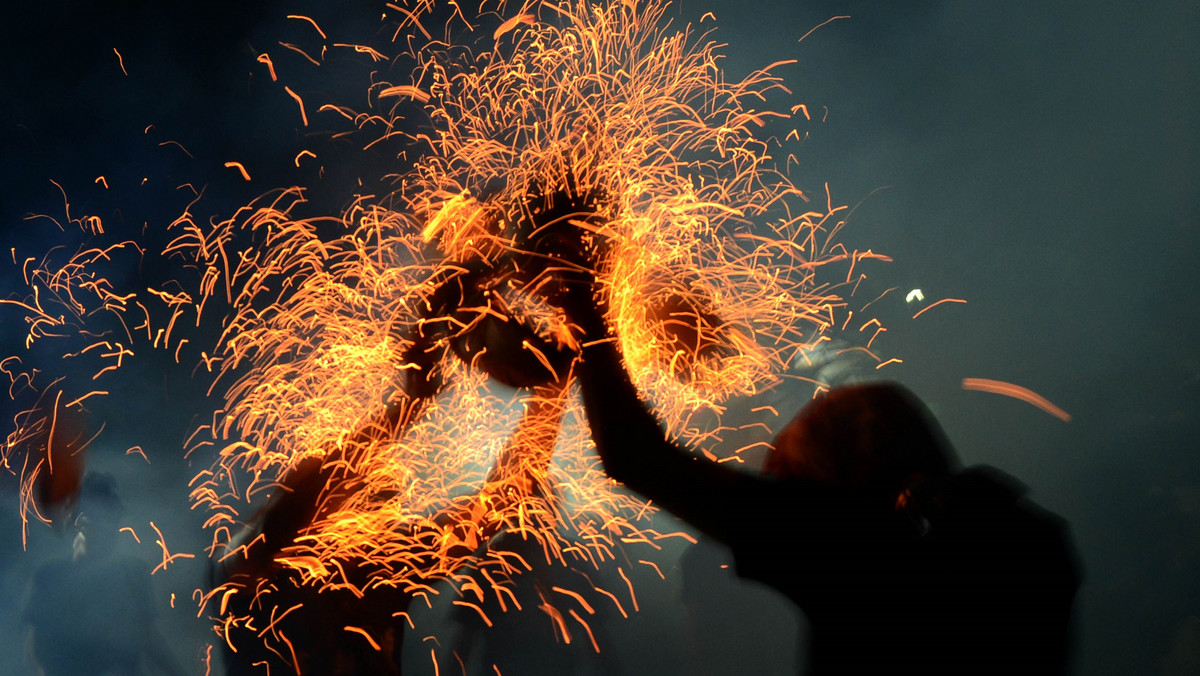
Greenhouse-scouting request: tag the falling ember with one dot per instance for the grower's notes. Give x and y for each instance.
(361, 448)
(1016, 392)
(241, 169)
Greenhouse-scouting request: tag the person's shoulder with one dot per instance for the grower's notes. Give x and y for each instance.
(992, 486)
(988, 482)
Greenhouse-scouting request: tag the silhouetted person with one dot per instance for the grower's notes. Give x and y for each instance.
(315, 619)
(901, 561)
(461, 316)
(94, 612)
(711, 594)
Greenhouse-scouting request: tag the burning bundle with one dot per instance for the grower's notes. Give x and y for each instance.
(362, 447)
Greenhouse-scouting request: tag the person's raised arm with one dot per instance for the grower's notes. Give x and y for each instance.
(634, 448)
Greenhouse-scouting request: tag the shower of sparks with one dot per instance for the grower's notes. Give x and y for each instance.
(355, 405)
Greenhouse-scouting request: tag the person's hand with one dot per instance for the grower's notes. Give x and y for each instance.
(561, 245)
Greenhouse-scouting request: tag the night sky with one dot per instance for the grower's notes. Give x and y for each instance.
(1037, 159)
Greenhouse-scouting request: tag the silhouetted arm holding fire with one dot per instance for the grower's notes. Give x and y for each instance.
(634, 447)
(899, 557)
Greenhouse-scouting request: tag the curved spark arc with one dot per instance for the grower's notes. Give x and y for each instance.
(600, 112)
(601, 117)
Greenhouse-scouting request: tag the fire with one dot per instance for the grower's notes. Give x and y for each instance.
(353, 351)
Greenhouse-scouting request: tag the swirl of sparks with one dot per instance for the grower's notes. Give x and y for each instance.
(356, 414)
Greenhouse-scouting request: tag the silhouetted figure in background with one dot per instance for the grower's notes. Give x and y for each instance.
(901, 561)
(94, 612)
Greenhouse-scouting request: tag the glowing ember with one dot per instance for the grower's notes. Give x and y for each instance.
(357, 413)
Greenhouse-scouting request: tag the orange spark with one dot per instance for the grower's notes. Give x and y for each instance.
(587, 628)
(167, 557)
(93, 393)
(137, 450)
(527, 19)
(350, 351)
(120, 62)
(820, 26)
(1017, 392)
(612, 596)
(577, 597)
(933, 305)
(241, 169)
(309, 20)
(363, 632)
(476, 608)
(632, 596)
(299, 102)
(405, 90)
(301, 52)
(266, 58)
(302, 153)
(180, 146)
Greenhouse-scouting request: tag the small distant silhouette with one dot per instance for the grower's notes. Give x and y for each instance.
(316, 618)
(94, 613)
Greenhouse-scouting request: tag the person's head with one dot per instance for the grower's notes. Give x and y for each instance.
(100, 515)
(874, 436)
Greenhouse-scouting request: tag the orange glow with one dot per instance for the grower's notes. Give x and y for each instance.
(587, 628)
(350, 352)
(933, 305)
(310, 21)
(302, 153)
(299, 102)
(167, 557)
(242, 170)
(266, 58)
(120, 62)
(364, 634)
(1016, 392)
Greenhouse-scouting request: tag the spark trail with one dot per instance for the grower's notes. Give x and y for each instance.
(361, 446)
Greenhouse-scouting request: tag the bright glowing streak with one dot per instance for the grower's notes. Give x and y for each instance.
(241, 169)
(309, 19)
(266, 58)
(587, 628)
(167, 557)
(363, 632)
(1017, 392)
(933, 305)
(527, 19)
(599, 122)
(302, 153)
(120, 62)
(299, 102)
(405, 90)
(822, 25)
(915, 294)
